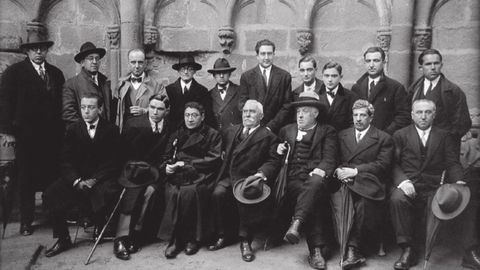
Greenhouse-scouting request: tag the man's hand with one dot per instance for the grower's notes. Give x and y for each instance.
(343, 173)
(407, 187)
(318, 172)
(8, 137)
(82, 185)
(149, 191)
(461, 182)
(171, 168)
(90, 182)
(253, 180)
(137, 110)
(281, 148)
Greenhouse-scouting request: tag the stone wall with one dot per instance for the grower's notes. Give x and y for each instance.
(329, 29)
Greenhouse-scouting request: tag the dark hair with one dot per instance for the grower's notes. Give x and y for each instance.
(195, 105)
(427, 52)
(374, 50)
(308, 58)
(333, 64)
(161, 97)
(95, 96)
(264, 42)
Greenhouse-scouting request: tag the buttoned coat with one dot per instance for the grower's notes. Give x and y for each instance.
(389, 98)
(372, 157)
(275, 98)
(226, 111)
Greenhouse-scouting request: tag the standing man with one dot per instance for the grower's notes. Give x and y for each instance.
(225, 95)
(452, 110)
(135, 89)
(387, 96)
(186, 89)
(270, 85)
(30, 113)
(366, 154)
(89, 80)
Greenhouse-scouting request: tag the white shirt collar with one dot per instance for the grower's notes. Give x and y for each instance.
(310, 87)
(374, 80)
(154, 125)
(94, 123)
(334, 90)
(426, 83)
(251, 129)
(37, 66)
(362, 133)
(183, 84)
(426, 131)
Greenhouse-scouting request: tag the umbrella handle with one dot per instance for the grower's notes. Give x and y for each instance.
(288, 153)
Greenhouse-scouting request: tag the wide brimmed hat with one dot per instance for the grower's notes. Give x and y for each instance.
(250, 194)
(35, 39)
(187, 61)
(88, 48)
(221, 65)
(310, 99)
(450, 200)
(138, 174)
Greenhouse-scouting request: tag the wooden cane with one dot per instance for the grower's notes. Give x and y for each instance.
(104, 227)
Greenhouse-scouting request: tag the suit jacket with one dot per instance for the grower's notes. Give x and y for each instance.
(226, 111)
(78, 86)
(372, 157)
(276, 98)
(425, 174)
(324, 147)
(148, 88)
(198, 93)
(454, 115)
(389, 99)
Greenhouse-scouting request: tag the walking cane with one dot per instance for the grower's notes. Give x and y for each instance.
(104, 227)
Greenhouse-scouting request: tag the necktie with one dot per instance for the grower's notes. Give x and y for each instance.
(429, 89)
(221, 89)
(91, 130)
(94, 78)
(424, 137)
(136, 79)
(155, 129)
(185, 90)
(265, 79)
(41, 72)
(359, 136)
(372, 85)
(245, 133)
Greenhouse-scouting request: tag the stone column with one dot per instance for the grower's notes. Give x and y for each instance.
(130, 30)
(113, 34)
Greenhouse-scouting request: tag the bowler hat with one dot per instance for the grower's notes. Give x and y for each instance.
(86, 49)
(35, 39)
(138, 174)
(450, 200)
(221, 65)
(310, 99)
(187, 60)
(250, 194)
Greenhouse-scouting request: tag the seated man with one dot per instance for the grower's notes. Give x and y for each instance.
(144, 138)
(313, 147)
(422, 153)
(195, 150)
(365, 156)
(249, 153)
(89, 171)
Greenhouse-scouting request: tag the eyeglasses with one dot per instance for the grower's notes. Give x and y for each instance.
(93, 58)
(41, 49)
(194, 115)
(189, 69)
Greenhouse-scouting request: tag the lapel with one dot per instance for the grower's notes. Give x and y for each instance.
(193, 139)
(317, 136)
(413, 140)
(142, 89)
(348, 138)
(433, 143)
(260, 86)
(369, 139)
(290, 136)
(230, 94)
(235, 133)
(33, 72)
(272, 81)
(251, 140)
(99, 131)
(318, 86)
(377, 89)
(338, 100)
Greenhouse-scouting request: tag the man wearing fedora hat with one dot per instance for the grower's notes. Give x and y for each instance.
(424, 155)
(224, 95)
(312, 157)
(366, 154)
(186, 89)
(89, 80)
(249, 166)
(30, 113)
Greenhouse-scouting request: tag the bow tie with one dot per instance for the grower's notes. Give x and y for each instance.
(221, 89)
(331, 94)
(91, 127)
(136, 79)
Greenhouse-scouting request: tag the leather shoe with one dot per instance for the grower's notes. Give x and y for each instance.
(353, 258)
(471, 259)
(406, 259)
(172, 250)
(315, 259)
(191, 248)
(26, 229)
(61, 245)
(120, 250)
(134, 243)
(246, 250)
(219, 244)
(293, 236)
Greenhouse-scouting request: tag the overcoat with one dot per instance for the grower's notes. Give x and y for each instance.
(226, 111)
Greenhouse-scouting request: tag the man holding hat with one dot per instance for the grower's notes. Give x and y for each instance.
(186, 89)
(249, 168)
(424, 156)
(89, 80)
(312, 157)
(224, 95)
(30, 113)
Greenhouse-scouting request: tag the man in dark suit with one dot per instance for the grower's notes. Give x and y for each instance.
(366, 154)
(337, 99)
(144, 139)
(249, 153)
(424, 154)
(270, 85)
(89, 172)
(312, 157)
(30, 113)
(186, 89)
(387, 96)
(225, 96)
(89, 80)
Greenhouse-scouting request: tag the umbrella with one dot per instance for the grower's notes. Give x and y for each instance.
(6, 192)
(343, 217)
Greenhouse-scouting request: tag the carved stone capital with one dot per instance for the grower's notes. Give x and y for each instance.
(113, 33)
(226, 38)
(384, 37)
(304, 40)
(150, 35)
(422, 38)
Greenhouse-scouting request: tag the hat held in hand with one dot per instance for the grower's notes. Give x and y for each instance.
(138, 174)
(248, 193)
(450, 200)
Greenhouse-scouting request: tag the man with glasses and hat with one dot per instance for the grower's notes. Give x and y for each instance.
(225, 95)
(89, 80)
(30, 113)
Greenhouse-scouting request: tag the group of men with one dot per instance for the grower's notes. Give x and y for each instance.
(214, 166)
